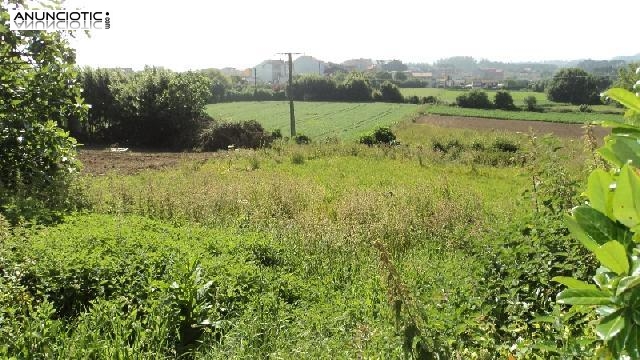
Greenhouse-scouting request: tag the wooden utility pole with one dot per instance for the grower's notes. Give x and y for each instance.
(290, 93)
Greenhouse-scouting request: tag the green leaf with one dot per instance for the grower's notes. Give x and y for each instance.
(572, 283)
(584, 297)
(626, 199)
(626, 283)
(613, 256)
(624, 97)
(599, 191)
(592, 228)
(620, 149)
(610, 326)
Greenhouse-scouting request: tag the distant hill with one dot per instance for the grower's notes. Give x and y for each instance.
(632, 58)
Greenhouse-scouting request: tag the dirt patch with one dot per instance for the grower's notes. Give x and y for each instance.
(103, 161)
(539, 127)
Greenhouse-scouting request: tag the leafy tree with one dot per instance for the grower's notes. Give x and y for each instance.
(503, 100)
(574, 86)
(476, 99)
(219, 84)
(39, 95)
(627, 77)
(390, 93)
(356, 88)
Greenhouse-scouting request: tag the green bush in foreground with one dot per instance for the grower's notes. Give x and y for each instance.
(608, 226)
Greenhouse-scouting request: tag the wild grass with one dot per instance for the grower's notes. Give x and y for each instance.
(354, 252)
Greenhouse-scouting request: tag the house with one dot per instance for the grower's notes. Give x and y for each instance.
(308, 65)
(358, 64)
(272, 72)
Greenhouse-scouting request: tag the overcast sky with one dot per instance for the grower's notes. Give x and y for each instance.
(190, 34)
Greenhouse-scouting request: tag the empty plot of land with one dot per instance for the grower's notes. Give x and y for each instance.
(538, 127)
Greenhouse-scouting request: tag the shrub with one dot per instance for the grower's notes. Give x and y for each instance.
(505, 145)
(429, 100)
(585, 108)
(248, 134)
(531, 103)
(367, 140)
(503, 100)
(302, 139)
(390, 93)
(413, 100)
(476, 99)
(384, 135)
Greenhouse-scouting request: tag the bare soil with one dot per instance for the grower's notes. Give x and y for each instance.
(538, 127)
(103, 161)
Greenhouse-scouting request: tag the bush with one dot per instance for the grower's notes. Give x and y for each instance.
(585, 108)
(503, 100)
(367, 140)
(248, 134)
(301, 139)
(475, 99)
(390, 93)
(429, 100)
(531, 103)
(505, 145)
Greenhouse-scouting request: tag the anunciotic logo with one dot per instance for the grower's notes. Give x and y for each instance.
(54, 20)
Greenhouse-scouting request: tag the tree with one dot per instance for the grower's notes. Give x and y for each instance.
(503, 100)
(575, 86)
(531, 103)
(219, 84)
(39, 95)
(627, 77)
(390, 93)
(474, 99)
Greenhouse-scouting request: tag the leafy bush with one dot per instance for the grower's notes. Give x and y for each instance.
(39, 95)
(382, 135)
(247, 134)
(429, 100)
(607, 225)
(505, 145)
(503, 100)
(585, 108)
(476, 99)
(531, 103)
(302, 139)
(390, 93)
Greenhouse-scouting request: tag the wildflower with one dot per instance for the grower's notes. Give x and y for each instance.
(20, 139)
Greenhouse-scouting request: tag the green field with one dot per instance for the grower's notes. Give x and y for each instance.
(449, 96)
(316, 119)
(562, 117)
(323, 251)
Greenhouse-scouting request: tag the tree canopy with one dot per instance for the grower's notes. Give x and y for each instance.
(575, 86)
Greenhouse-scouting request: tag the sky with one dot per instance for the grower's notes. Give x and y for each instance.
(191, 34)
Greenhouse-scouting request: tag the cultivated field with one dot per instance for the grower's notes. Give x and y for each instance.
(316, 119)
(449, 95)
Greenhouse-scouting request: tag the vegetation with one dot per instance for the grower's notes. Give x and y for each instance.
(38, 96)
(317, 119)
(475, 99)
(573, 116)
(574, 86)
(151, 108)
(607, 225)
(503, 100)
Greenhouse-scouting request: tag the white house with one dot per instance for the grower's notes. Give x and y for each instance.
(272, 71)
(308, 65)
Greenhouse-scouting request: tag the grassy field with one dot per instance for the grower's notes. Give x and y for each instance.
(449, 95)
(330, 250)
(562, 117)
(316, 119)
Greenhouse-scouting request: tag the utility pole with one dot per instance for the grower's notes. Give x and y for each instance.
(290, 93)
(255, 81)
